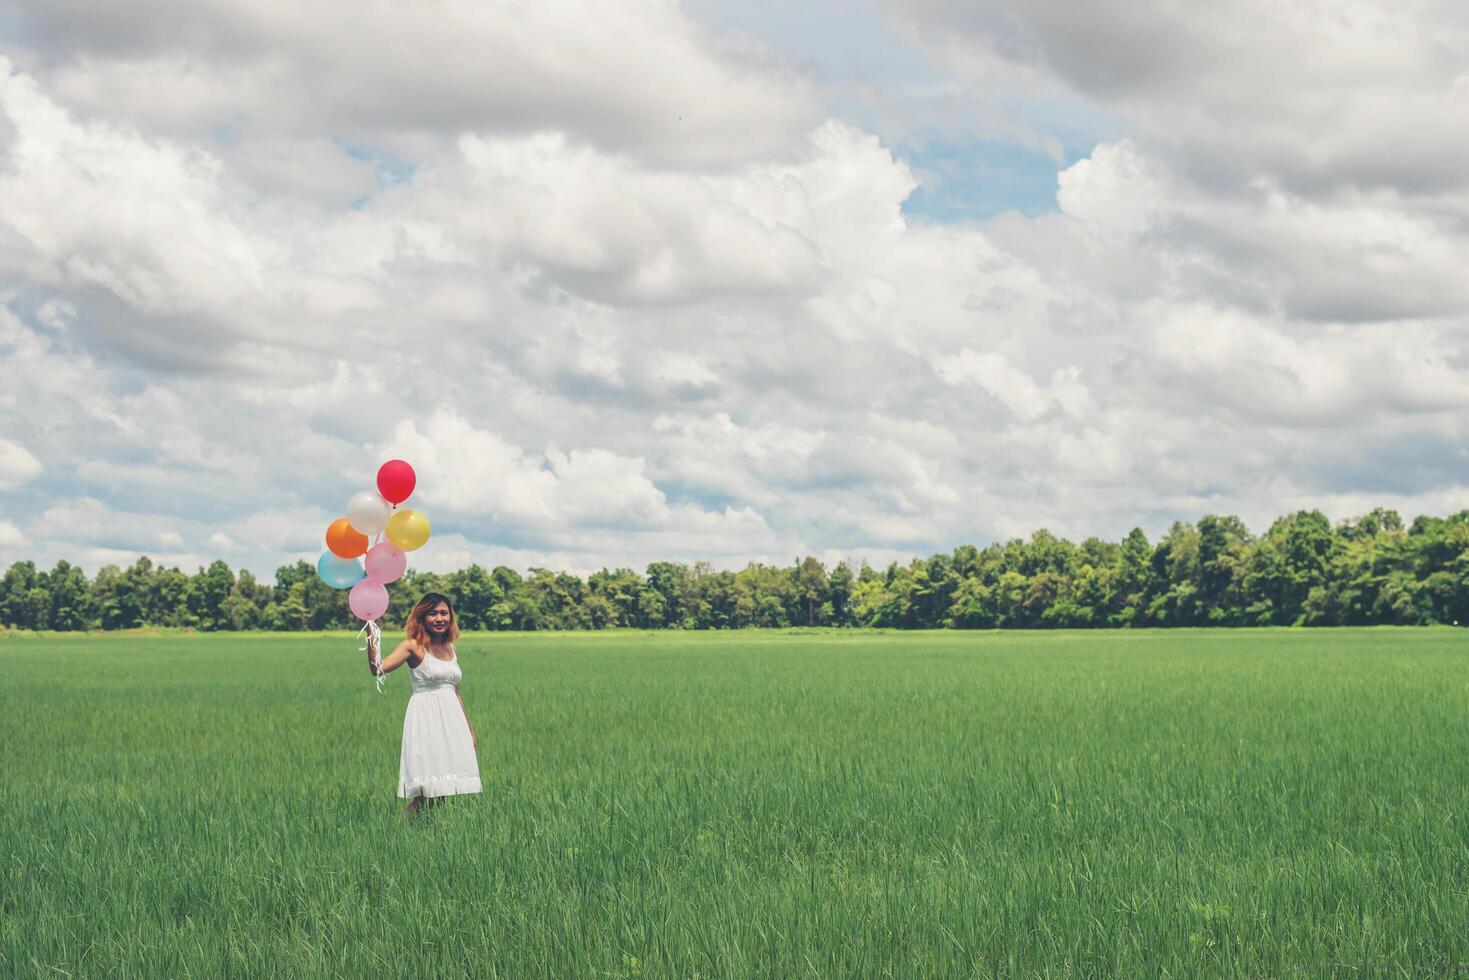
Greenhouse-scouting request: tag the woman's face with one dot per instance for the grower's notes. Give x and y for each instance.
(437, 619)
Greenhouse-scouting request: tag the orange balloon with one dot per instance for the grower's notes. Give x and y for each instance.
(344, 540)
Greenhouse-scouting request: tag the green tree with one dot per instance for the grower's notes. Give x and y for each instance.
(839, 591)
(241, 612)
(165, 597)
(670, 581)
(870, 602)
(514, 609)
(1292, 558)
(1046, 553)
(291, 611)
(115, 603)
(1010, 592)
(19, 607)
(932, 586)
(1133, 580)
(719, 597)
(475, 594)
(600, 612)
(1090, 596)
(698, 609)
(1176, 570)
(619, 589)
(972, 606)
(811, 586)
(652, 609)
(70, 596)
(206, 594)
(1224, 544)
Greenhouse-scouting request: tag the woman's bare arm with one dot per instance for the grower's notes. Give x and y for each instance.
(472, 739)
(404, 651)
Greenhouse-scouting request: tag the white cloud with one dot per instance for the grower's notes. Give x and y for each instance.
(315, 170)
(997, 375)
(610, 230)
(56, 314)
(664, 89)
(1362, 93)
(715, 453)
(570, 496)
(1116, 192)
(18, 465)
(78, 528)
(1354, 256)
(11, 538)
(683, 370)
(221, 543)
(472, 471)
(605, 335)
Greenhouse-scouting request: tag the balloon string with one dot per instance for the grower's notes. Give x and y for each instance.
(373, 642)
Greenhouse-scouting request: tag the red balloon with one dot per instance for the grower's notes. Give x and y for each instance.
(395, 481)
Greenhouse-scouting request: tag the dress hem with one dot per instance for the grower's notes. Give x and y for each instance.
(439, 786)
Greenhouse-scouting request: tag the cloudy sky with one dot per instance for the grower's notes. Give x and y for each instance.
(724, 280)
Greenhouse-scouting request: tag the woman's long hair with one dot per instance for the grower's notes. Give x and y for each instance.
(417, 630)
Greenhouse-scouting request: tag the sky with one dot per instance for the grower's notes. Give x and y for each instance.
(725, 282)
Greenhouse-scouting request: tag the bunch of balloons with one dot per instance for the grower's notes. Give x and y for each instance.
(354, 560)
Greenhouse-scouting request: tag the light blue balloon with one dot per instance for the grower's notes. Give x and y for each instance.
(339, 573)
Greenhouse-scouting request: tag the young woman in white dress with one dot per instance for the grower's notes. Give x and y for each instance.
(438, 757)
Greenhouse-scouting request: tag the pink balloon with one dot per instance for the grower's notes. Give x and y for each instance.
(386, 562)
(368, 599)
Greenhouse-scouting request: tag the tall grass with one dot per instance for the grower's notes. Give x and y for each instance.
(1177, 803)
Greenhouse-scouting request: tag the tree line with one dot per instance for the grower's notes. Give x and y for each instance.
(1302, 571)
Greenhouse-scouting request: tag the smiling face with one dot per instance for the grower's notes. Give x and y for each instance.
(432, 620)
(437, 620)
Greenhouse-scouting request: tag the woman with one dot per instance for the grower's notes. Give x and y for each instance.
(438, 757)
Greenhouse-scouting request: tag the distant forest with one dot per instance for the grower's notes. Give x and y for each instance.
(1301, 572)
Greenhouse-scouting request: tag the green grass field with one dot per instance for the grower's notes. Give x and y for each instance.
(1185, 803)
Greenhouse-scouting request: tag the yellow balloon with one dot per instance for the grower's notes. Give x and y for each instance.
(408, 529)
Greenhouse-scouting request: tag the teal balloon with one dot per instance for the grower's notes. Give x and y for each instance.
(339, 573)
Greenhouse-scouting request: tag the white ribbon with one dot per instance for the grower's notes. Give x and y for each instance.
(373, 640)
(374, 637)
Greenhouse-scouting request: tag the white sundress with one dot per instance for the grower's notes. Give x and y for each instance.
(438, 752)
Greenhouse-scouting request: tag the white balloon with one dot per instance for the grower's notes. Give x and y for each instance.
(368, 512)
